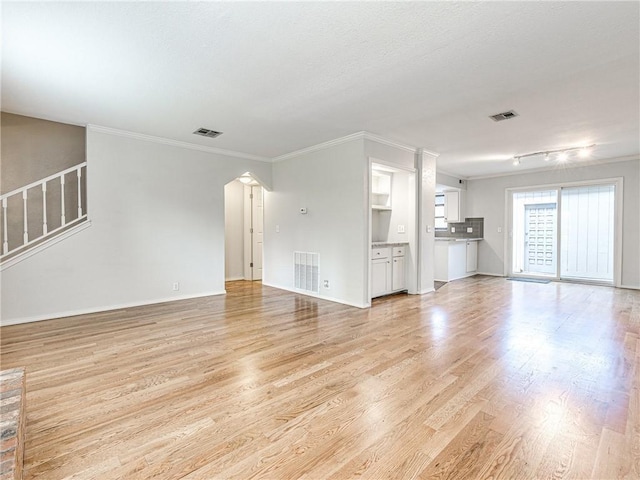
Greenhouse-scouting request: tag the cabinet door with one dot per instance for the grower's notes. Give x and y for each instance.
(380, 277)
(452, 206)
(399, 281)
(472, 256)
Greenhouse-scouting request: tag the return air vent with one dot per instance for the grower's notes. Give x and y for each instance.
(205, 132)
(498, 117)
(305, 274)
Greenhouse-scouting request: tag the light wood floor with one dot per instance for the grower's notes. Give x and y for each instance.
(485, 378)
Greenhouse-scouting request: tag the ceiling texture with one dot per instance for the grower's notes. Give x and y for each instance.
(277, 77)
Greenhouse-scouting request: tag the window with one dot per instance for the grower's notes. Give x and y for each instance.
(440, 222)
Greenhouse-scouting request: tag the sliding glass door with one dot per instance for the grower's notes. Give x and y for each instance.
(586, 246)
(566, 232)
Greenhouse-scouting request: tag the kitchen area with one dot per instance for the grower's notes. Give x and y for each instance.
(393, 232)
(456, 236)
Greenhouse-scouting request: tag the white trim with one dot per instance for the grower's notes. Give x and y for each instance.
(354, 136)
(450, 174)
(87, 311)
(234, 279)
(44, 245)
(424, 292)
(618, 182)
(318, 296)
(392, 166)
(319, 146)
(490, 274)
(630, 287)
(175, 143)
(391, 143)
(554, 167)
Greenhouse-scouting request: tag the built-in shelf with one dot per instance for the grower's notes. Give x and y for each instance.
(380, 190)
(380, 207)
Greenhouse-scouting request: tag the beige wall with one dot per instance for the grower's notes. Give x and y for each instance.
(31, 150)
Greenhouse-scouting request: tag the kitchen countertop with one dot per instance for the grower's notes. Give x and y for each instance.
(388, 244)
(452, 239)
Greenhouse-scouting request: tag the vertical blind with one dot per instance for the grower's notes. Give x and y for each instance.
(586, 240)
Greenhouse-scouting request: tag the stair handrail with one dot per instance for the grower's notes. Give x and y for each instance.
(45, 231)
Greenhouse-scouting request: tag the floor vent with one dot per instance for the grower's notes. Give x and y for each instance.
(306, 274)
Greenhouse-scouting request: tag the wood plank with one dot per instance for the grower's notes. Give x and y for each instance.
(484, 377)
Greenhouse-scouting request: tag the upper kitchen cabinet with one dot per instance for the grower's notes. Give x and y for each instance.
(454, 206)
(380, 190)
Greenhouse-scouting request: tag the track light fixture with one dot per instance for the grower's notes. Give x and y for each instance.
(561, 155)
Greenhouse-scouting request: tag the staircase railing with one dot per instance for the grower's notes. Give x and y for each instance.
(29, 238)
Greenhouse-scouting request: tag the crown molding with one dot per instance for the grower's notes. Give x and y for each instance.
(319, 146)
(555, 167)
(363, 135)
(450, 174)
(175, 143)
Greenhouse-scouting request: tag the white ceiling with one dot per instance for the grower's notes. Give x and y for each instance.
(278, 77)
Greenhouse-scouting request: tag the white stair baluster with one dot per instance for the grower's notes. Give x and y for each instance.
(79, 172)
(26, 223)
(5, 243)
(62, 216)
(44, 209)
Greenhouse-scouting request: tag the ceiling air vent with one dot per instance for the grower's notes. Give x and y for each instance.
(205, 132)
(498, 117)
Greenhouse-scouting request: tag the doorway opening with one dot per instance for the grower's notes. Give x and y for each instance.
(566, 232)
(244, 219)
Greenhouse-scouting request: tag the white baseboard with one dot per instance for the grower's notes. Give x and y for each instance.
(490, 274)
(321, 297)
(233, 279)
(630, 287)
(108, 308)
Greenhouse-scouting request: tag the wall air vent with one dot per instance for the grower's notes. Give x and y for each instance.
(305, 273)
(205, 132)
(498, 117)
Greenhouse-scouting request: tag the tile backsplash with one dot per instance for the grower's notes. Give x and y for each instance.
(477, 224)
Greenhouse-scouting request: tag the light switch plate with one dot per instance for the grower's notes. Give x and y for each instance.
(400, 228)
(453, 229)
(469, 229)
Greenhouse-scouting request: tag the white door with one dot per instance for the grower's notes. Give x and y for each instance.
(540, 239)
(253, 232)
(257, 227)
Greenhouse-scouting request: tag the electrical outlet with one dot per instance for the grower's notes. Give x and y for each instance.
(469, 229)
(326, 284)
(499, 229)
(277, 228)
(176, 286)
(400, 228)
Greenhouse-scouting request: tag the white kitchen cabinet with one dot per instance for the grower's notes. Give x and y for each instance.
(455, 259)
(398, 276)
(388, 272)
(472, 257)
(454, 203)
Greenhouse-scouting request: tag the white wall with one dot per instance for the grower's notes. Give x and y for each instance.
(486, 198)
(446, 180)
(157, 215)
(426, 164)
(234, 230)
(330, 183)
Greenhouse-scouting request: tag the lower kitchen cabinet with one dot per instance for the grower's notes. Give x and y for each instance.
(388, 272)
(455, 259)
